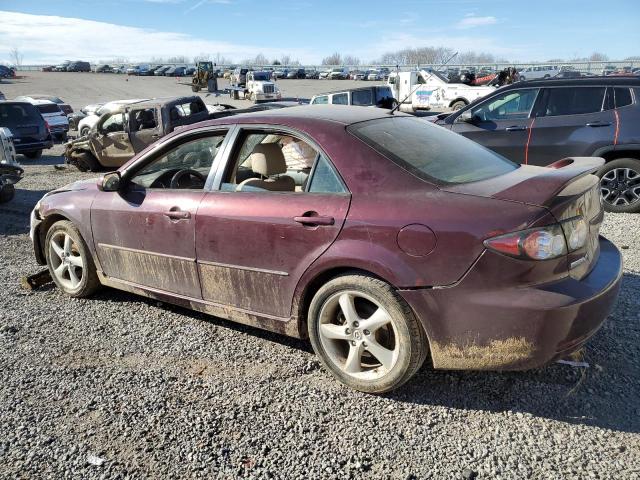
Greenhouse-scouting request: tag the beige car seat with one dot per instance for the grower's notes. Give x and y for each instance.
(268, 161)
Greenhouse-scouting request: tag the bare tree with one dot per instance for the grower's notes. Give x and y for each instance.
(598, 57)
(334, 59)
(203, 57)
(260, 60)
(16, 56)
(351, 60)
(285, 59)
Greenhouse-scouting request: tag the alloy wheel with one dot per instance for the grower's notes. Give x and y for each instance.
(358, 335)
(66, 260)
(620, 186)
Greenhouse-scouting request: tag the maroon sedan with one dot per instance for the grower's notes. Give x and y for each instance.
(381, 237)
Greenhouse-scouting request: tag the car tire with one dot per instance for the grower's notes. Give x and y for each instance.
(458, 105)
(84, 131)
(86, 162)
(7, 192)
(620, 183)
(70, 263)
(33, 155)
(375, 359)
(522, 78)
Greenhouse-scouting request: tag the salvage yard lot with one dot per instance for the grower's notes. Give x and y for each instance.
(119, 385)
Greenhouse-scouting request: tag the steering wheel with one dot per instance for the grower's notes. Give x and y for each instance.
(175, 180)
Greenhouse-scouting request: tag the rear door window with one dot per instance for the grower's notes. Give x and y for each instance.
(622, 97)
(323, 100)
(362, 97)
(48, 108)
(340, 99)
(574, 101)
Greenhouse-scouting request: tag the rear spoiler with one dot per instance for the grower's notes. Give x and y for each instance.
(548, 182)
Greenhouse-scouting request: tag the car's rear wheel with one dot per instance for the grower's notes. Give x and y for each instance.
(85, 161)
(620, 185)
(365, 334)
(33, 155)
(69, 260)
(458, 105)
(84, 131)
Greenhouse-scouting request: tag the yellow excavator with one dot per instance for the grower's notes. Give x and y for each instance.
(204, 77)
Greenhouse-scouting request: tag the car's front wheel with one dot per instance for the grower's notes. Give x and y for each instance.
(620, 185)
(458, 105)
(69, 260)
(365, 334)
(85, 131)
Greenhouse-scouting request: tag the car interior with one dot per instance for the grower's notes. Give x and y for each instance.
(271, 162)
(186, 167)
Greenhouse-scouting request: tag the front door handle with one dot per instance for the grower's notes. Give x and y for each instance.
(314, 220)
(516, 128)
(598, 124)
(177, 214)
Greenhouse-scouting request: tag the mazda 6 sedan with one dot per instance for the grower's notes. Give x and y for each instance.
(382, 238)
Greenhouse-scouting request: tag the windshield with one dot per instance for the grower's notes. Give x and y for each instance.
(48, 108)
(431, 152)
(261, 76)
(12, 115)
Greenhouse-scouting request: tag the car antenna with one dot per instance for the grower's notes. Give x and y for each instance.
(394, 109)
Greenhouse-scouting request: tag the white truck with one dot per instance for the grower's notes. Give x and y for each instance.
(258, 88)
(422, 90)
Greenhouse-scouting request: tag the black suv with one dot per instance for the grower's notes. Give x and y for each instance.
(541, 121)
(30, 132)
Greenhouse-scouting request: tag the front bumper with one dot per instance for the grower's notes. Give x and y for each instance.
(472, 326)
(267, 96)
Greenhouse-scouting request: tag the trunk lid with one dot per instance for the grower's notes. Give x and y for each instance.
(566, 188)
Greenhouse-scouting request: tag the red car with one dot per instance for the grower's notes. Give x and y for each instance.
(381, 237)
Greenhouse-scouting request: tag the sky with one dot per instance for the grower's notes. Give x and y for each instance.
(48, 31)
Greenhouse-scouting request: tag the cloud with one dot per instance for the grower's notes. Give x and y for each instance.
(45, 39)
(471, 21)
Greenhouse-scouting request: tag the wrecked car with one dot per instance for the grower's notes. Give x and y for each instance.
(268, 219)
(129, 129)
(10, 170)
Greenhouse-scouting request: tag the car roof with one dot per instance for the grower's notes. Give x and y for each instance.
(42, 101)
(167, 101)
(345, 114)
(573, 82)
(351, 90)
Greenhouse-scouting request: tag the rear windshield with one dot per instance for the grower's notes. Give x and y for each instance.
(18, 114)
(431, 152)
(48, 108)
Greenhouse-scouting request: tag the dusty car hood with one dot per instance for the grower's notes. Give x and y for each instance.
(88, 184)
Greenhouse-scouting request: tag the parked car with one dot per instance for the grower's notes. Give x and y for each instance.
(609, 69)
(2, 97)
(74, 118)
(538, 72)
(338, 74)
(62, 67)
(85, 125)
(30, 132)
(56, 119)
(324, 74)
(161, 71)
(10, 170)
(140, 70)
(374, 75)
(189, 71)
(48, 68)
(279, 73)
(312, 73)
(79, 66)
(152, 70)
(357, 75)
(175, 72)
(131, 128)
(461, 255)
(103, 68)
(543, 121)
(7, 72)
(120, 69)
(64, 106)
(377, 96)
(298, 73)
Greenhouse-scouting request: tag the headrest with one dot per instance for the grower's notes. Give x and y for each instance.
(148, 116)
(267, 159)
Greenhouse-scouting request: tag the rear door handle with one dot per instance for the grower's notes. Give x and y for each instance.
(177, 215)
(599, 124)
(516, 128)
(314, 220)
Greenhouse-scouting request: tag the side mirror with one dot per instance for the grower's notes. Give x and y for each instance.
(465, 117)
(109, 182)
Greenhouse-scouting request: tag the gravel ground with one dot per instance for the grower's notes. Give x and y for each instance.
(118, 386)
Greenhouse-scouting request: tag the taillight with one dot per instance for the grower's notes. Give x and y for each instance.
(543, 243)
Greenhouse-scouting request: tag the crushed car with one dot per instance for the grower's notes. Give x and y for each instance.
(10, 170)
(375, 96)
(123, 132)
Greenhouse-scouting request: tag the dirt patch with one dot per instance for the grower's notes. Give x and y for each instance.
(496, 355)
